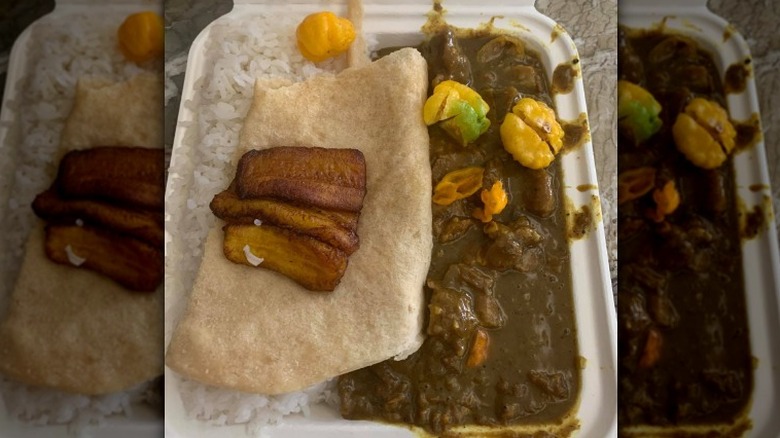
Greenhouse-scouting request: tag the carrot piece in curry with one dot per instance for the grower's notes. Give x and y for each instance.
(479, 349)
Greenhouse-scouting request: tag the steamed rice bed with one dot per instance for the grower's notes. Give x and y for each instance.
(60, 50)
(238, 52)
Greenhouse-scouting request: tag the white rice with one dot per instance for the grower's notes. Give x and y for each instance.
(61, 49)
(221, 407)
(41, 407)
(238, 51)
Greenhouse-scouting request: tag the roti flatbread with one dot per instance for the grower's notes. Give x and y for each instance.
(255, 330)
(78, 331)
(127, 113)
(73, 329)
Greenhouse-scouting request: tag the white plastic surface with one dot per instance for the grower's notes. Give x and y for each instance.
(760, 259)
(399, 22)
(144, 422)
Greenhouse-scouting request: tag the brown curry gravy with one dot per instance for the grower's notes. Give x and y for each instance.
(514, 282)
(563, 77)
(679, 281)
(736, 77)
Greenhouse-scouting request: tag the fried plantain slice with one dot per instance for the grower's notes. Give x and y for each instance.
(141, 224)
(326, 178)
(124, 175)
(133, 264)
(320, 224)
(314, 265)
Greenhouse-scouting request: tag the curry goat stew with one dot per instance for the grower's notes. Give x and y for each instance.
(681, 303)
(510, 279)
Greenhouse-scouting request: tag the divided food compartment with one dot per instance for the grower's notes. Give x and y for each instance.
(761, 263)
(393, 23)
(144, 421)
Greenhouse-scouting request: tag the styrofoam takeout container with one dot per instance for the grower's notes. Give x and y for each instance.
(761, 264)
(394, 23)
(144, 421)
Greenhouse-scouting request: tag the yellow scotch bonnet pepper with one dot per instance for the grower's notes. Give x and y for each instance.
(495, 201)
(704, 134)
(458, 184)
(141, 37)
(461, 111)
(635, 183)
(532, 134)
(324, 35)
(667, 199)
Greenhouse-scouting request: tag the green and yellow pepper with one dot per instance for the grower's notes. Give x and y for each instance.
(460, 111)
(637, 111)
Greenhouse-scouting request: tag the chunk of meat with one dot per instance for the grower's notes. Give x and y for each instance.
(332, 179)
(675, 46)
(500, 47)
(452, 318)
(454, 227)
(469, 278)
(480, 285)
(663, 311)
(128, 176)
(648, 278)
(501, 100)
(632, 313)
(716, 199)
(727, 382)
(553, 383)
(538, 197)
(528, 82)
(489, 311)
(675, 100)
(695, 77)
(511, 248)
(453, 63)
(630, 66)
(130, 262)
(689, 244)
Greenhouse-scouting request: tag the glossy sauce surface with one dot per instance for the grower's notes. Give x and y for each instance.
(510, 279)
(680, 282)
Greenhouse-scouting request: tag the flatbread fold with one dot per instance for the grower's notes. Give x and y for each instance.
(254, 330)
(73, 329)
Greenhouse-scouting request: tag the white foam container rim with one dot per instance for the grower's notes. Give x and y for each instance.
(399, 22)
(761, 263)
(144, 421)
